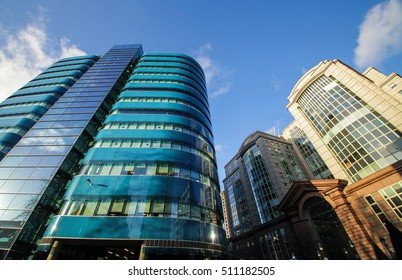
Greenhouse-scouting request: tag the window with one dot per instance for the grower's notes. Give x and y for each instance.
(156, 144)
(117, 207)
(128, 169)
(166, 144)
(103, 208)
(163, 169)
(116, 170)
(130, 208)
(150, 169)
(126, 143)
(143, 208)
(75, 208)
(393, 196)
(158, 208)
(90, 208)
(185, 173)
(139, 169)
(105, 170)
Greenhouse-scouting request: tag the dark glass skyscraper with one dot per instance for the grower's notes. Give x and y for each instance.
(148, 187)
(257, 179)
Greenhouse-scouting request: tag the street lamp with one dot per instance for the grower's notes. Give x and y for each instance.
(90, 182)
(276, 238)
(320, 252)
(346, 253)
(96, 185)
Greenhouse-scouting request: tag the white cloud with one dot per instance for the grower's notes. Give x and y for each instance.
(380, 34)
(275, 129)
(218, 148)
(275, 83)
(68, 49)
(27, 52)
(216, 77)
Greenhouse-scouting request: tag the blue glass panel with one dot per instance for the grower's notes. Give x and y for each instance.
(12, 186)
(5, 200)
(148, 155)
(24, 201)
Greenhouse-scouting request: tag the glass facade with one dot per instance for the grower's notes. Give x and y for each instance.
(361, 139)
(274, 245)
(239, 214)
(20, 111)
(35, 174)
(151, 176)
(265, 195)
(284, 158)
(386, 204)
(314, 161)
(334, 242)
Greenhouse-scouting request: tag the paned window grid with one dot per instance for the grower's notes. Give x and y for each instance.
(160, 81)
(19, 105)
(353, 131)
(264, 193)
(149, 59)
(233, 207)
(162, 100)
(274, 245)
(208, 176)
(314, 161)
(138, 207)
(160, 126)
(169, 74)
(375, 208)
(153, 143)
(142, 67)
(393, 196)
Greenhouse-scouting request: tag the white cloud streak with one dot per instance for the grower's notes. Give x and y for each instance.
(380, 34)
(275, 83)
(275, 129)
(217, 77)
(27, 52)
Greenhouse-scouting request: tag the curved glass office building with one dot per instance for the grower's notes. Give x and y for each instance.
(149, 187)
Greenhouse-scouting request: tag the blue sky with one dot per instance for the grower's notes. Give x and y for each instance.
(253, 52)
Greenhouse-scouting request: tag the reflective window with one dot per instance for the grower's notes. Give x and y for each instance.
(7, 236)
(24, 201)
(12, 186)
(13, 218)
(43, 173)
(319, 169)
(393, 196)
(361, 139)
(264, 192)
(5, 200)
(34, 186)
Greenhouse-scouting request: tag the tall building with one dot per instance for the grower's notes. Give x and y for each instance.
(26, 106)
(353, 121)
(136, 132)
(257, 179)
(347, 135)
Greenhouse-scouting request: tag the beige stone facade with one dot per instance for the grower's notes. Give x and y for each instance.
(342, 112)
(381, 93)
